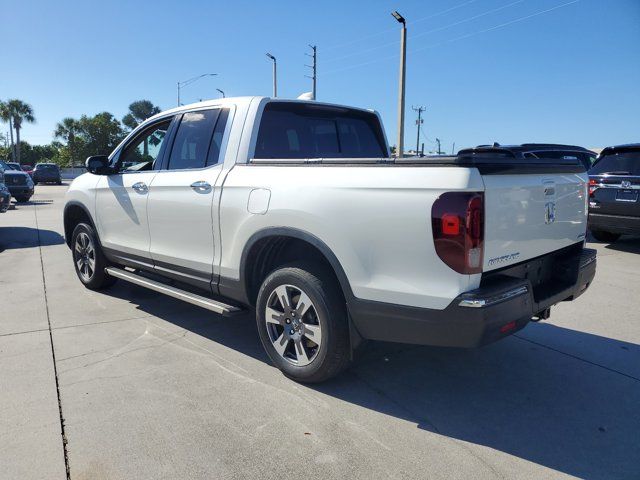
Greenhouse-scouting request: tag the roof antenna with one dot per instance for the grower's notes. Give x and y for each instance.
(496, 144)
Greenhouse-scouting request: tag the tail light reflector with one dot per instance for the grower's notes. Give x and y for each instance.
(593, 184)
(457, 220)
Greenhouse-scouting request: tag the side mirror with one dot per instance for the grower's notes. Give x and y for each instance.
(98, 165)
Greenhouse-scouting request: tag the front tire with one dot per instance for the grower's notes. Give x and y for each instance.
(88, 259)
(22, 199)
(603, 236)
(302, 321)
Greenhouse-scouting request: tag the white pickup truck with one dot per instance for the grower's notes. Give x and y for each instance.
(296, 209)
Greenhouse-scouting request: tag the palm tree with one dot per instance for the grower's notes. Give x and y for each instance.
(17, 111)
(6, 117)
(139, 111)
(66, 130)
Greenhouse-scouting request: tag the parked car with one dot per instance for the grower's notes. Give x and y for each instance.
(297, 209)
(28, 169)
(5, 195)
(47, 173)
(19, 183)
(614, 185)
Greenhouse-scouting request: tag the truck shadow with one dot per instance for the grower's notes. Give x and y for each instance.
(26, 237)
(560, 398)
(627, 243)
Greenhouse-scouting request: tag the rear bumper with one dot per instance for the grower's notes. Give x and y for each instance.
(474, 318)
(46, 178)
(614, 223)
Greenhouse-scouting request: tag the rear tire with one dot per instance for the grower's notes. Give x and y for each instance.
(603, 236)
(22, 199)
(307, 334)
(88, 259)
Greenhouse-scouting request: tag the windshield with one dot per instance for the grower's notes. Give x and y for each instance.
(13, 166)
(622, 163)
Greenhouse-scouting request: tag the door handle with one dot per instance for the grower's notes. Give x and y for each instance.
(140, 187)
(201, 186)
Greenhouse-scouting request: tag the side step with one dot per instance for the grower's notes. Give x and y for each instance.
(174, 292)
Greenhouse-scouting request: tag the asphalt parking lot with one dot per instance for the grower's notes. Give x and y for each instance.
(148, 387)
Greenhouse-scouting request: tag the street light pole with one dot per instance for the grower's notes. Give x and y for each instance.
(223, 96)
(192, 80)
(403, 57)
(275, 73)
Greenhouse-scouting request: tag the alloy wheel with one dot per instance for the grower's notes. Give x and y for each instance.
(293, 325)
(85, 256)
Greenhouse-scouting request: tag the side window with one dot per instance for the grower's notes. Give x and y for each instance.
(193, 139)
(216, 143)
(143, 151)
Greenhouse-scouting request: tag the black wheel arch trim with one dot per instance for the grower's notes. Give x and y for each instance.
(67, 207)
(238, 289)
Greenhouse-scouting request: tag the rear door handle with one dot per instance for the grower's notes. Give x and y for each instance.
(201, 186)
(140, 187)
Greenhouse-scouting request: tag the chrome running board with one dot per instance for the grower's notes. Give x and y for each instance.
(194, 299)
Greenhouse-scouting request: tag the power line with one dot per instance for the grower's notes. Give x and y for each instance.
(510, 22)
(366, 37)
(439, 29)
(445, 42)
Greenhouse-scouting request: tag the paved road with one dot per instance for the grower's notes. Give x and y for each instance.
(151, 388)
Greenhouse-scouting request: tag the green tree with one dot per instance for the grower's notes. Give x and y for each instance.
(101, 133)
(139, 111)
(67, 130)
(16, 111)
(89, 135)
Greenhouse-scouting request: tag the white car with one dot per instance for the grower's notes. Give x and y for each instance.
(296, 209)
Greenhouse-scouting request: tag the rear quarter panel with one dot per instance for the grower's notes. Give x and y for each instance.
(375, 219)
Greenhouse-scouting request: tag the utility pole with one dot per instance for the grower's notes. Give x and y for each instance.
(314, 69)
(403, 58)
(438, 142)
(418, 125)
(453, 148)
(275, 75)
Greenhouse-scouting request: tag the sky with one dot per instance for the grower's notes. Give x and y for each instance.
(509, 71)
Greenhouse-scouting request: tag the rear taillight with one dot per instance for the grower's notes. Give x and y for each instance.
(593, 185)
(457, 220)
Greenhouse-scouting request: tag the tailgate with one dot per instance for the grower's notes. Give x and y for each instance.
(532, 214)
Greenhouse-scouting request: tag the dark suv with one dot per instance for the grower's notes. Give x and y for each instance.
(47, 173)
(614, 186)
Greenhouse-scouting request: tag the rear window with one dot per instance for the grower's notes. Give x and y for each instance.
(622, 163)
(296, 130)
(46, 167)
